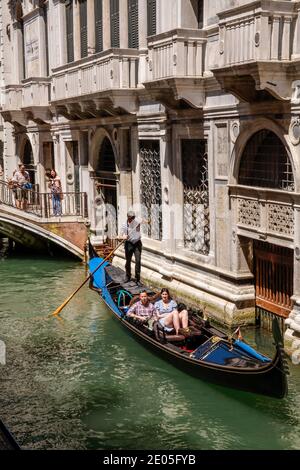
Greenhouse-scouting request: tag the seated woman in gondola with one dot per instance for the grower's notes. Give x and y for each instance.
(168, 315)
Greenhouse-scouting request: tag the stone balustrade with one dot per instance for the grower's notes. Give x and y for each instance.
(35, 92)
(175, 54)
(12, 97)
(258, 31)
(113, 69)
(31, 92)
(268, 213)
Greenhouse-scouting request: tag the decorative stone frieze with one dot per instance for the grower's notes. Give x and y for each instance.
(248, 212)
(294, 131)
(280, 219)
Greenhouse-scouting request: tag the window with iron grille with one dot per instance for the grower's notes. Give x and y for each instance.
(114, 23)
(266, 163)
(83, 28)
(133, 24)
(69, 25)
(98, 26)
(151, 17)
(150, 188)
(195, 195)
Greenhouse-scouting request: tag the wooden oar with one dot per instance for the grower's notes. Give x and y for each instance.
(59, 309)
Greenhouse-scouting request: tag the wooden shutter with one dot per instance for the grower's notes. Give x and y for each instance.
(98, 25)
(133, 24)
(200, 14)
(83, 28)
(69, 21)
(151, 17)
(114, 23)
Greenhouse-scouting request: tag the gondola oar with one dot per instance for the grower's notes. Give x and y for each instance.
(59, 309)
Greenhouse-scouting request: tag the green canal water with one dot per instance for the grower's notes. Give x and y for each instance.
(85, 384)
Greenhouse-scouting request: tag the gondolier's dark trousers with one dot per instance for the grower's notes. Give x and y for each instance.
(135, 248)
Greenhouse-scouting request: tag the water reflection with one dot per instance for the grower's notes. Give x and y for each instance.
(85, 383)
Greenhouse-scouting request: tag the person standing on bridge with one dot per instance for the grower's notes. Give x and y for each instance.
(21, 184)
(56, 192)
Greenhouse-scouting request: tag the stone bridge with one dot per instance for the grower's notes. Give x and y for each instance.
(38, 229)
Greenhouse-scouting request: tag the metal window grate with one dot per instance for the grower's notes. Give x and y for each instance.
(266, 163)
(196, 196)
(150, 189)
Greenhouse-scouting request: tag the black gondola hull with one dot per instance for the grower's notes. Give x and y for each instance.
(266, 379)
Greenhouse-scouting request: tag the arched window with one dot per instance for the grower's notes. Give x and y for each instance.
(266, 163)
(106, 161)
(28, 161)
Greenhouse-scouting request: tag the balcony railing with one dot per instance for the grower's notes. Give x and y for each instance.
(176, 54)
(112, 69)
(266, 212)
(258, 31)
(41, 204)
(32, 92)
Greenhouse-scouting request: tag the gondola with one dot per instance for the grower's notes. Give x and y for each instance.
(206, 353)
(7, 440)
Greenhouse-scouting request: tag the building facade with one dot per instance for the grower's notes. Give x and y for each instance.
(187, 111)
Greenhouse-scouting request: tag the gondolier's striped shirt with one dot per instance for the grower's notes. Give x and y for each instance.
(142, 310)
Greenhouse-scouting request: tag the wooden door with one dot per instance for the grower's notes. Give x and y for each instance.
(273, 278)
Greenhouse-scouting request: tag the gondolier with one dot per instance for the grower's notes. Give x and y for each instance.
(131, 231)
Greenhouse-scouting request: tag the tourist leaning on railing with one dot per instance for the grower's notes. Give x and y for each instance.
(56, 192)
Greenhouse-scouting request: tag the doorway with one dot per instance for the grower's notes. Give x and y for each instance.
(106, 180)
(274, 274)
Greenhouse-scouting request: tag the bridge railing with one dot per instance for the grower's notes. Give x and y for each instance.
(42, 204)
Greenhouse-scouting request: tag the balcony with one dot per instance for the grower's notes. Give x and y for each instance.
(175, 67)
(264, 214)
(104, 84)
(29, 100)
(255, 50)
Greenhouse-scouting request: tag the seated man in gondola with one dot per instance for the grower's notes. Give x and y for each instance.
(142, 310)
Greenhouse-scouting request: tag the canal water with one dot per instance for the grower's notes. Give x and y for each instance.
(85, 384)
